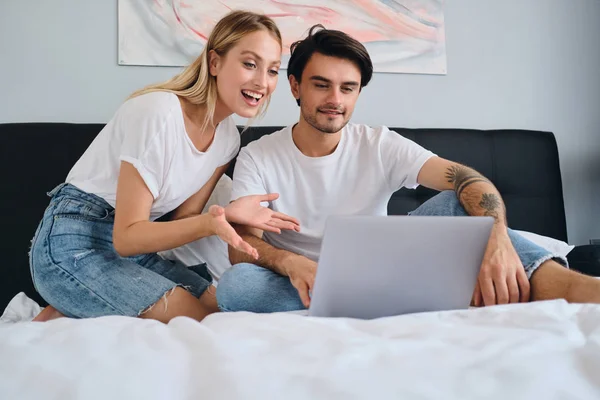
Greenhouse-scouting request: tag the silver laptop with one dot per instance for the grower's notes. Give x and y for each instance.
(372, 267)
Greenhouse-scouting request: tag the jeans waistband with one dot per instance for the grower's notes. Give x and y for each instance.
(68, 190)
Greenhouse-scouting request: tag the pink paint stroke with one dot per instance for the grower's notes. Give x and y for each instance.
(226, 6)
(378, 24)
(404, 26)
(204, 37)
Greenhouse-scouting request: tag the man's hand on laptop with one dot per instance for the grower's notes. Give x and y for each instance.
(302, 271)
(502, 278)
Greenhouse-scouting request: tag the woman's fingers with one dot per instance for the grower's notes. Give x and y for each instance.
(268, 197)
(285, 217)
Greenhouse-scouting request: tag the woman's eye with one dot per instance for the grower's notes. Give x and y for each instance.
(274, 72)
(250, 65)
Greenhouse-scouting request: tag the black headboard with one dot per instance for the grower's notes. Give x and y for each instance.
(34, 157)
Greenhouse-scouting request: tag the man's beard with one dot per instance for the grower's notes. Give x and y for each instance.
(327, 127)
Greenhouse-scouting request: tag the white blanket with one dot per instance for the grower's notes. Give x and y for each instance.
(544, 350)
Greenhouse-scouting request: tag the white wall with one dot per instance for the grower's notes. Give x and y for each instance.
(529, 64)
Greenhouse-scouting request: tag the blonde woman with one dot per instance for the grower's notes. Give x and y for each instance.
(95, 250)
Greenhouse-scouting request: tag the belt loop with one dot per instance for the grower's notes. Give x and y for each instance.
(56, 189)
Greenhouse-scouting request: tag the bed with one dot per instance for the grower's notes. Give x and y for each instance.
(545, 350)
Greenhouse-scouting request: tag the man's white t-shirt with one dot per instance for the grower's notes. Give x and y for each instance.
(358, 178)
(148, 131)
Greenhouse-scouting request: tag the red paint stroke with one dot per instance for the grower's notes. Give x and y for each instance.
(198, 33)
(176, 15)
(318, 10)
(226, 6)
(281, 15)
(189, 27)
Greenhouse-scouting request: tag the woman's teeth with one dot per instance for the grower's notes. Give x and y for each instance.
(254, 95)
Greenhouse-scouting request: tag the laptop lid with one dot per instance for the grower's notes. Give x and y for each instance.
(378, 266)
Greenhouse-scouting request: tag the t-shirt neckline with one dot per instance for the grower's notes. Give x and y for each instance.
(187, 136)
(323, 160)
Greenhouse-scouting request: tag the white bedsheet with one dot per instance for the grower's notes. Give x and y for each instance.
(545, 350)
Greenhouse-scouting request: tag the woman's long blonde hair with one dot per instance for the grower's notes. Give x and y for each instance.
(195, 83)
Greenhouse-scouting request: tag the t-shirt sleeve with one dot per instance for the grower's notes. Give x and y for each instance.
(246, 178)
(402, 159)
(144, 142)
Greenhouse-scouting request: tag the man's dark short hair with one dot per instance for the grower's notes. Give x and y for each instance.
(331, 43)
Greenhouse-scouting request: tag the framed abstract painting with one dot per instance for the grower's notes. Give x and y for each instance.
(402, 36)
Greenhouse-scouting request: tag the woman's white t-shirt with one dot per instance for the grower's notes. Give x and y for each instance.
(148, 131)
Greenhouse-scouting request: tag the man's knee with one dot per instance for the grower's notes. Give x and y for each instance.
(447, 196)
(241, 272)
(240, 285)
(444, 203)
(247, 287)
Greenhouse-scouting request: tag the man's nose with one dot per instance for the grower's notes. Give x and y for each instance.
(334, 97)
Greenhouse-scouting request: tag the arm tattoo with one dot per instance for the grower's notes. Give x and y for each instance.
(490, 203)
(462, 177)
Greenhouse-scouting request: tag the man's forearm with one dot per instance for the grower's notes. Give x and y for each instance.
(269, 256)
(476, 193)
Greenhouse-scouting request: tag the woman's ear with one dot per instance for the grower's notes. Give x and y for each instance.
(214, 63)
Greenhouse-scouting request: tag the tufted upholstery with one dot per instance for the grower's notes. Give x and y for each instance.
(35, 157)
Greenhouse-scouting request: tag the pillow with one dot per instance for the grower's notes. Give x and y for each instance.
(222, 193)
(554, 246)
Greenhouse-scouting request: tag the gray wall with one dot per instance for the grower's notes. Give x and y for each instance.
(529, 64)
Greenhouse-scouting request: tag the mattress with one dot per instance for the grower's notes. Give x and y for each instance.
(544, 350)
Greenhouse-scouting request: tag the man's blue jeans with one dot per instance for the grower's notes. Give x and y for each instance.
(248, 287)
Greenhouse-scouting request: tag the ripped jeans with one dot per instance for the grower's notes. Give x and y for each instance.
(76, 269)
